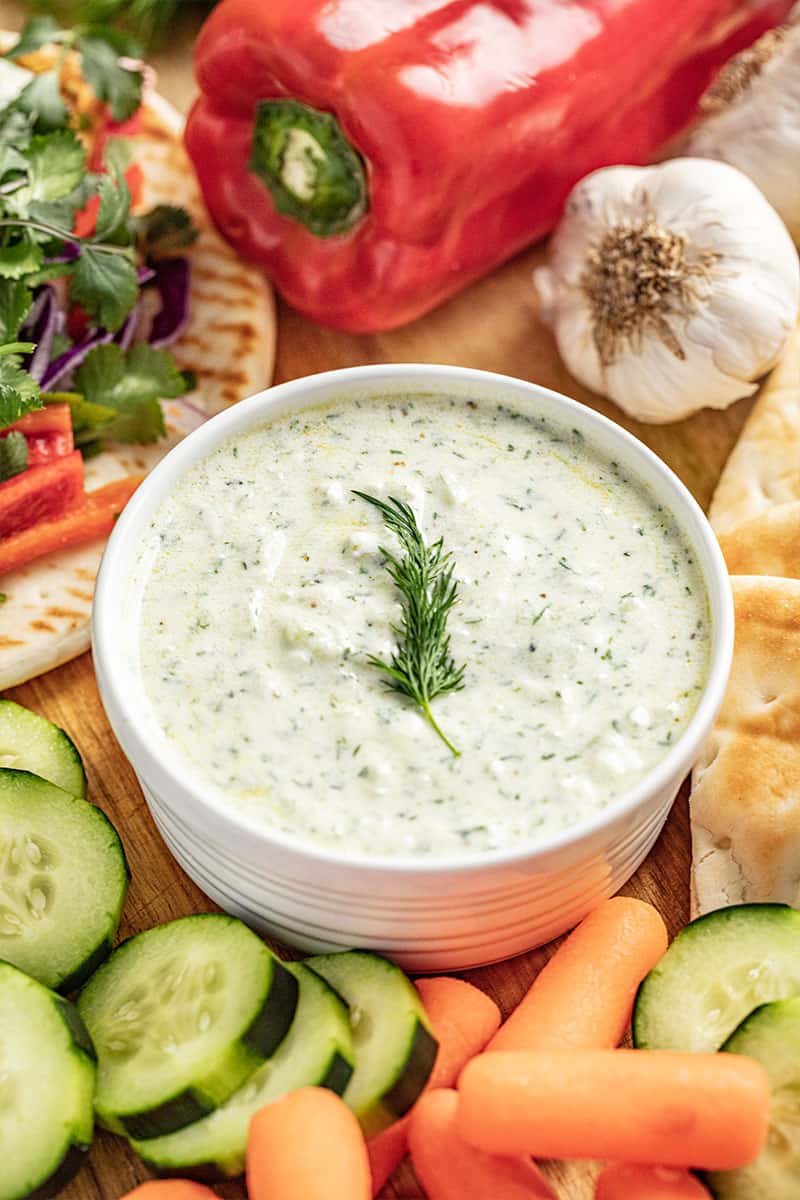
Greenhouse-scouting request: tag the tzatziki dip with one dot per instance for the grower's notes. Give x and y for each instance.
(580, 627)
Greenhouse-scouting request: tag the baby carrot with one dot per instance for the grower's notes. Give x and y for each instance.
(307, 1146)
(449, 1169)
(622, 1181)
(584, 995)
(632, 1106)
(171, 1189)
(463, 1019)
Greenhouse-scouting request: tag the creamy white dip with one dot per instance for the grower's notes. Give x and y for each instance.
(582, 623)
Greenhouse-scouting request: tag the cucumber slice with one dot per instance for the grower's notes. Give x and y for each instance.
(772, 1036)
(181, 1016)
(31, 743)
(63, 879)
(718, 969)
(316, 1052)
(395, 1048)
(47, 1073)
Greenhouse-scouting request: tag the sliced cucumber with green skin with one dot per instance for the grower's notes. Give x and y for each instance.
(771, 1035)
(317, 1052)
(63, 880)
(47, 1073)
(181, 1016)
(29, 742)
(718, 969)
(395, 1048)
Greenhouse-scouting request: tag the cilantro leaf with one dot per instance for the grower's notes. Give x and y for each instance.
(164, 231)
(56, 163)
(119, 86)
(59, 213)
(20, 258)
(105, 284)
(19, 393)
(132, 386)
(44, 275)
(15, 304)
(115, 202)
(36, 32)
(13, 455)
(16, 127)
(41, 101)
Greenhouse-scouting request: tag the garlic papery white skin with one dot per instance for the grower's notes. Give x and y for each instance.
(752, 118)
(670, 288)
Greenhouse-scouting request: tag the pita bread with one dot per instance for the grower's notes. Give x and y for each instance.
(766, 545)
(745, 800)
(764, 467)
(229, 343)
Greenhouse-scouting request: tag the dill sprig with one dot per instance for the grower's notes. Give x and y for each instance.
(421, 666)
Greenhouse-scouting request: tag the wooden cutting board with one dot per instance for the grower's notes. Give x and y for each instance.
(493, 325)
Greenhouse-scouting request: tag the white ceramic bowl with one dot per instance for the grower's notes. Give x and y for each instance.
(427, 915)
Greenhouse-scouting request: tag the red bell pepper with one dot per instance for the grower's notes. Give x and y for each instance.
(93, 519)
(48, 433)
(376, 156)
(40, 493)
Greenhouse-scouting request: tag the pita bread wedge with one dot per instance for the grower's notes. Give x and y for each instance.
(764, 467)
(745, 800)
(765, 545)
(229, 343)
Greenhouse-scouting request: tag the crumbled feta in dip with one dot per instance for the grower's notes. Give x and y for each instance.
(582, 622)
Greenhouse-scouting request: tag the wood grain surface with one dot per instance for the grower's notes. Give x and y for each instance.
(493, 325)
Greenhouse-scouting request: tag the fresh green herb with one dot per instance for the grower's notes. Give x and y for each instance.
(13, 455)
(42, 187)
(100, 48)
(15, 304)
(120, 394)
(44, 183)
(164, 231)
(19, 393)
(146, 18)
(422, 666)
(106, 286)
(3, 597)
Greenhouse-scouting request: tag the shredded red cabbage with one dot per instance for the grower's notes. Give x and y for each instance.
(172, 281)
(66, 363)
(44, 322)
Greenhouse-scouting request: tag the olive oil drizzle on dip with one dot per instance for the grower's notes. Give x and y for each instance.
(582, 621)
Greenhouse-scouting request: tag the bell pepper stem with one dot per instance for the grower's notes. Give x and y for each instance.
(313, 173)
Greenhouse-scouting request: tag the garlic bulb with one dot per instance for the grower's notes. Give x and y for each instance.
(753, 118)
(670, 288)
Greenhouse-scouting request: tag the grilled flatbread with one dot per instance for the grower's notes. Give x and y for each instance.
(745, 802)
(764, 467)
(766, 545)
(229, 343)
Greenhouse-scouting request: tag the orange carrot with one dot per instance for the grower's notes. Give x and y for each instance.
(171, 1189)
(307, 1146)
(463, 1019)
(583, 997)
(626, 1182)
(449, 1169)
(632, 1106)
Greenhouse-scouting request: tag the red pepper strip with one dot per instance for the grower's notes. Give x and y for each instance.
(469, 121)
(94, 519)
(41, 493)
(45, 447)
(52, 419)
(86, 218)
